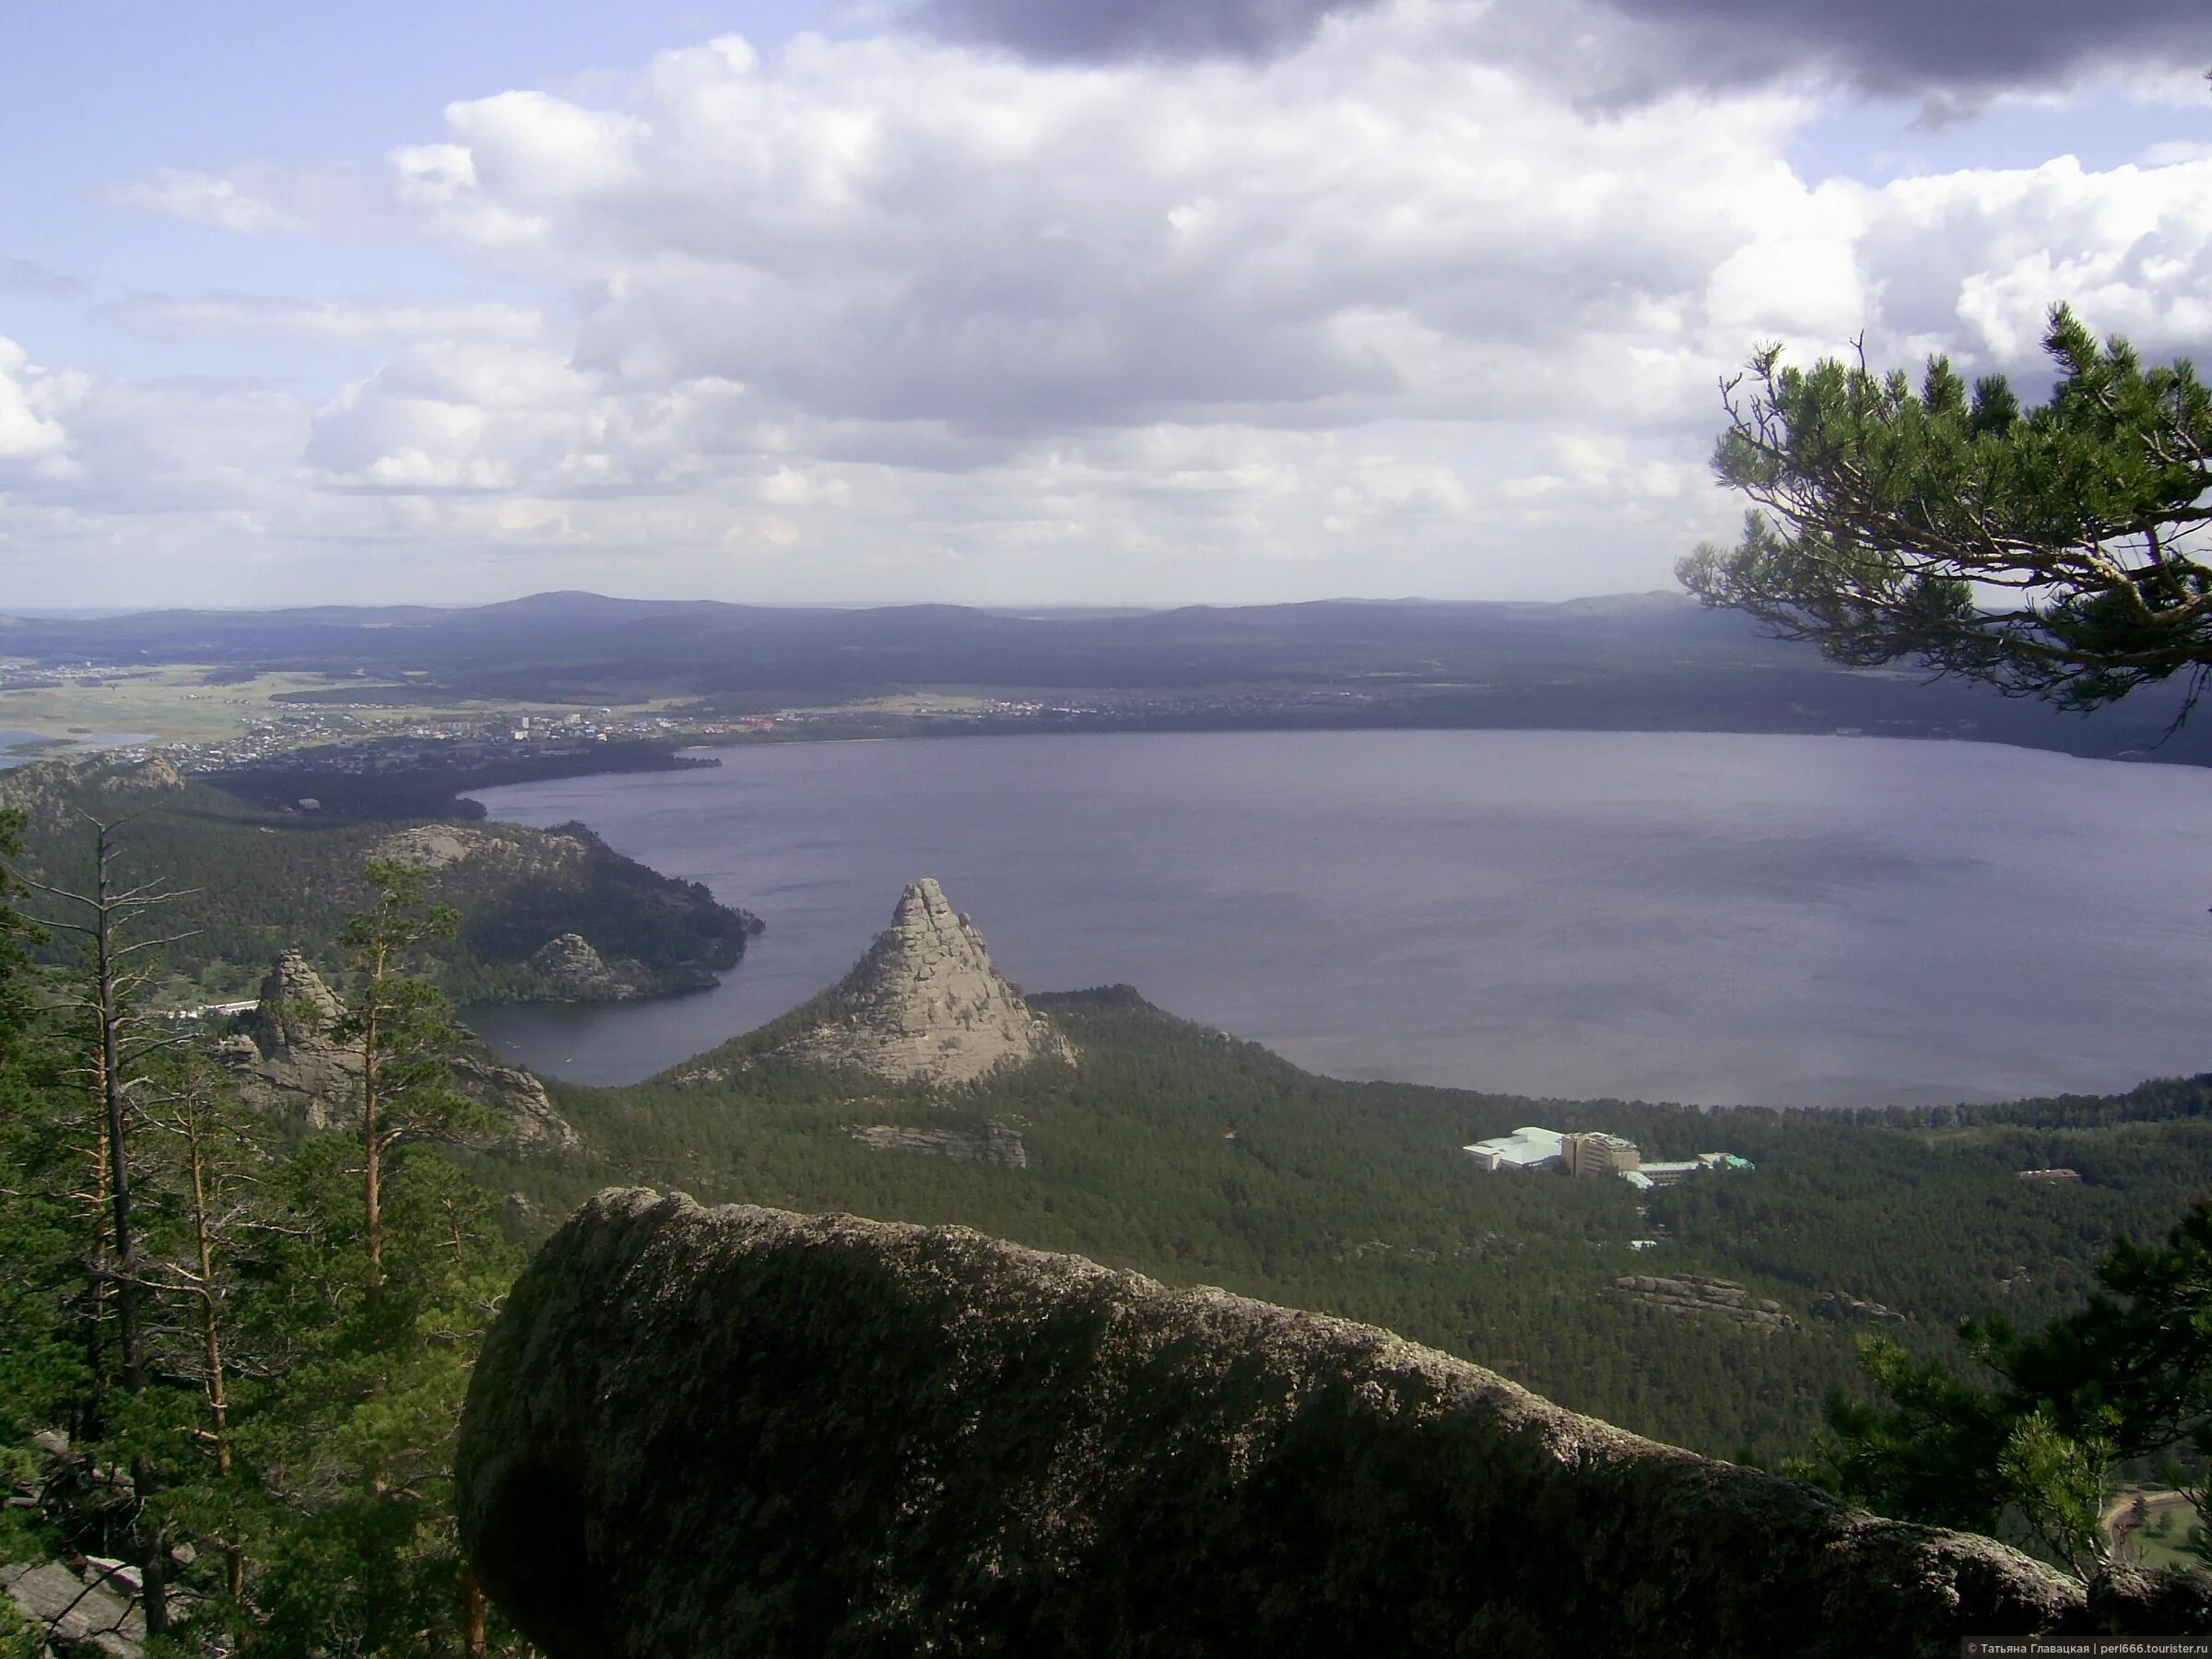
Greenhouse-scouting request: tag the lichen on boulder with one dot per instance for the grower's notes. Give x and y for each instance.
(742, 1431)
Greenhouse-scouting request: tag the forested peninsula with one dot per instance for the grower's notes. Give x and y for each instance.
(549, 914)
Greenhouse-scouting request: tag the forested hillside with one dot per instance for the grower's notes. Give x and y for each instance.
(1189, 1154)
(253, 882)
(238, 1346)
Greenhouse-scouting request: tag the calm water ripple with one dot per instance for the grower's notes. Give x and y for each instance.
(1792, 921)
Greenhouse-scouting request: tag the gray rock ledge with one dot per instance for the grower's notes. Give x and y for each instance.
(741, 1431)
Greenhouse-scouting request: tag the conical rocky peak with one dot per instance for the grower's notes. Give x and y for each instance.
(925, 1003)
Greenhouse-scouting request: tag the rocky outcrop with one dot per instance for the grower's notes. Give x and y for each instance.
(999, 1145)
(440, 846)
(1850, 1310)
(533, 1123)
(578, 973)
(286, 1062)
(1697, 1293)
(294, 1009)
(92, 1611)
(740, 1432)
(924, 1004)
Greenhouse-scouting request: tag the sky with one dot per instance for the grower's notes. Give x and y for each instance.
(1017, 302)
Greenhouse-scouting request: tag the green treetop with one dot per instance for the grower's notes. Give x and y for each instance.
(403, 1030)
(2053, 551)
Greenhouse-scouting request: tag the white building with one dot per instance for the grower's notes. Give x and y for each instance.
(1526, 1148)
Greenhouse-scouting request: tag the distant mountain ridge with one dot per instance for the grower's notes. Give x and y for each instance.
(279, 630)
(1656, 661)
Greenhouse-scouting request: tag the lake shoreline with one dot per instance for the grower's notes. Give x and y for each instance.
(1720, 918)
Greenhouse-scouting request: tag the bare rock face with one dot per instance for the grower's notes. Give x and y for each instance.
(744, 1432)
(289, 1064)
(1850, 1310)
(925, 1003)
(295, 1067)
(580, 973)
(533, 1123)
(1699, 1293)
(87, 1612)
(435, 846)
(997, 1144)
(295, 1011)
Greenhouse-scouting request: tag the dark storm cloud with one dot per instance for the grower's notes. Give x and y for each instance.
(1897, 47)
(1913, 47)
(1060, 31)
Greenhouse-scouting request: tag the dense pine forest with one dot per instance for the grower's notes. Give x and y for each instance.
(236, 1351)
(1186, 1154)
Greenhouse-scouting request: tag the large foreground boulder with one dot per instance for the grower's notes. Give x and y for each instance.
(742, 1432)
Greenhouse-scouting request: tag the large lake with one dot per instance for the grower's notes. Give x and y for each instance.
(1794, 921)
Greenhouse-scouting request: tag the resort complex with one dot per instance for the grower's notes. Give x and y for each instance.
(1594, 1152)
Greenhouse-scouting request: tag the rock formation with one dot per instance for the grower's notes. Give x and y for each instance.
(740, 1432)
(440, 846)
(994, 1143)
(294, 1009)
(92, 1611)
(1698, 1293)
(286, 1062)
(578, 973)
(924, 1002)
(532, 1122)
(1850, 1310)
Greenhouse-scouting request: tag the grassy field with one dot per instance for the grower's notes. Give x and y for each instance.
(173, 703)
(176, 703)
(2161, 1538)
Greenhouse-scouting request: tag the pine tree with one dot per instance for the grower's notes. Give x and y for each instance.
(106, 916)
(2056, 551)
(403, 1029)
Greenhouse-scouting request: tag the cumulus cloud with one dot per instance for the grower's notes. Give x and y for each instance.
(338, 323)
(904, 316)
(889, 233)
(229, 204)
(1972, 261)
(30, 430)
(441, 417)
(893, 243)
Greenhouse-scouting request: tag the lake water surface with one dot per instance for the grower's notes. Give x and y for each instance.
(1792, 921)
(81, 743)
